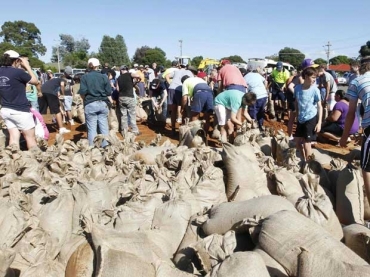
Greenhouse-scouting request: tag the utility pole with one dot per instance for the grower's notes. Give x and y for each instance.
(327, 53)
(180, 47)
(58, 59)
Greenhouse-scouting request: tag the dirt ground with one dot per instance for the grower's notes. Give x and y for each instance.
(149, 132)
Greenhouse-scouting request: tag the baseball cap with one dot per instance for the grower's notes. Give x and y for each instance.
(123, 67)
(279, 65)
(201, 74)
(174, 63)
(223, 62)
(243, 71)
(155, 84)
(136, 65)
(308, 63)
(93, 61)
(68, 70)
(12, 54)
(146, 66)
(192, 69)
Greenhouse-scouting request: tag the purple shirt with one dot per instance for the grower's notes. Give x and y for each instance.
(343, 108)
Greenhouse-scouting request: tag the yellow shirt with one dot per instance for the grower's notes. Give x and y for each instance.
(280, 76)
(141, 74)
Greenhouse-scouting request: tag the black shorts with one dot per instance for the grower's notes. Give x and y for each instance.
(332, 128)
(306, 129)
(365, 150)
(174, 97)
(51, 101)
(291, 100)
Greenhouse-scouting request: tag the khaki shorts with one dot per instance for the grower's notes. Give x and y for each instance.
(223, 114)
(23, 121)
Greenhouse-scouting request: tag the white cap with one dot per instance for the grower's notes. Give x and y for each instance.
(136, 65)
(12, 54)
(94, 62)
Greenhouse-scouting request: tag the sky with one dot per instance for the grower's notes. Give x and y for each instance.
(211, 28)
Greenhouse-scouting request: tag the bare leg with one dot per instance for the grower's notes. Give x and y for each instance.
(330, 136)
(307, 150)
(59, 120)
(14, 136)
(30, 138)
(207, 118)
(298, 144)
(291, 122)
(366, 176)
(223, 133)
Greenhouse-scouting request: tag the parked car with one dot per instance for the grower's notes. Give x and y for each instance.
(342, 80)
(334, 74)
(346, 76)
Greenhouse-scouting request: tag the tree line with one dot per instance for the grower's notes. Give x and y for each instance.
(25, 38)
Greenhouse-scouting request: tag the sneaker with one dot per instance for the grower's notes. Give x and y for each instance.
(63, 131)
(72, 122)
(179, 120)
(291, 137)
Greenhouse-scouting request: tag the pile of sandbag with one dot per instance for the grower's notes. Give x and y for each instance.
(161, 210)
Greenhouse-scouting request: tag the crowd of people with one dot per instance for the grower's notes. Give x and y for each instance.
(310, 98)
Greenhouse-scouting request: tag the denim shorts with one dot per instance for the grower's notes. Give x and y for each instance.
(68, 103)
(202, 102)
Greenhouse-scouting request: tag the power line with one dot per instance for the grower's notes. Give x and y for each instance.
(328, 52)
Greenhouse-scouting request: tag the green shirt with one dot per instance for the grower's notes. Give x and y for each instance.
(31, 91)
(95, 87)
(189, 85)
(280, 76)
(230, 99)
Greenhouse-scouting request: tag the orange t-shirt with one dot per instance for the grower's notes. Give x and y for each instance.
(231, 75)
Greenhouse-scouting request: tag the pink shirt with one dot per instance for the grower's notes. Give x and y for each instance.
(231, 75)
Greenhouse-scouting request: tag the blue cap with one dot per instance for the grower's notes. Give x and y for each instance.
(279, 65)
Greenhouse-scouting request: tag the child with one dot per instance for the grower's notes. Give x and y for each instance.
(308, 110)
(227, 105)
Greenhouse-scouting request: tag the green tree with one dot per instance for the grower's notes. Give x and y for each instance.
(365, 49)
(234, 59)
(273, 57)
(113, 51)
(154, 56)
(69, 45)
(292, 56)
(140, 54)
(23, 36)
(34, 61)
(320, 61)
(196, 61)
(341, 59)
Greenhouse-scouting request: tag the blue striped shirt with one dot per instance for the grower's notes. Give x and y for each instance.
(359, 88)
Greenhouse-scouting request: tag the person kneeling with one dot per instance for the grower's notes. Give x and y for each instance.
(334, 124)
(227, 105)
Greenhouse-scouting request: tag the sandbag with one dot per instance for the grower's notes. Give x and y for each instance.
(228, 216)
(148, 155)
(286, 182)
(273, 267)
(111, 263)
(81, 262)
(281, 144)
(336, 166)
(112, 120)
(311, 264)
(165, 269)
(357, 238)
(6, 259)
(285, 233)
(318, 207)
(265, 144)
(48, 268)
(141, 114)
(350, 196)
(313, 166)
(192, 135)
(366, 207)
(185, 254)
(242, 264)
(56, 216)
(81, 114)
(243, 171)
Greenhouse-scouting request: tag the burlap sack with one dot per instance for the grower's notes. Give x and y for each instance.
(285, 233)
(350, 196)
(112, 120)
(81, 262)
(6, 258)
(248, 264)
(273, 267)
(243, 171)
(357, 238)
(228, 216)
(311, 264)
